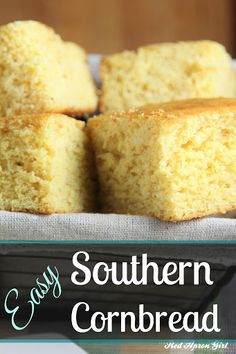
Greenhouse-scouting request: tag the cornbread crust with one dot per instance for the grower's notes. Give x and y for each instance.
(179, 156)
(46, 165)
(39, 72)
(165, 72)
(182, 109)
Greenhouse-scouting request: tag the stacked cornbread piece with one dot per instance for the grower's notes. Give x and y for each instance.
(166, 72)
(164, 145)
(46, 164)
(45, 156)
(39, 72)
(175, 161)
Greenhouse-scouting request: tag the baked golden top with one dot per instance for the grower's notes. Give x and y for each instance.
(175, 109)
(36, 121)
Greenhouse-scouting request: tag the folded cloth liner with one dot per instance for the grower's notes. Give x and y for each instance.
(110, 227)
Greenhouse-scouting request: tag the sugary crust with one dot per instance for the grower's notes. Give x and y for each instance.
(183, 108)
(36, 120)
(167, 112)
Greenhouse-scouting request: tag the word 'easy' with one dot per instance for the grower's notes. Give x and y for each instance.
(49, 279)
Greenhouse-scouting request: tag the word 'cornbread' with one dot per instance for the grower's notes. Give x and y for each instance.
(45, 165)
(175, 161)
(166, 72)
(39, 72)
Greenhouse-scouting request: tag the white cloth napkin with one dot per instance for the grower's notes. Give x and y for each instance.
(110, 227)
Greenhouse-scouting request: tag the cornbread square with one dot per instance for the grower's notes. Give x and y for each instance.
(166, 72)
(39, 72)
(175, 161)
(45, 165)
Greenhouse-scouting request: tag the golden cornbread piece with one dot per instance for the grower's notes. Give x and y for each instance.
(39, 72)
(166, 72)
(175, 161)
(45, 165)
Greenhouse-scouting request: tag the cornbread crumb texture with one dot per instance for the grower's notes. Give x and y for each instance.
(41, 73)
(165, 72)
(45, 165)
(175, 161)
